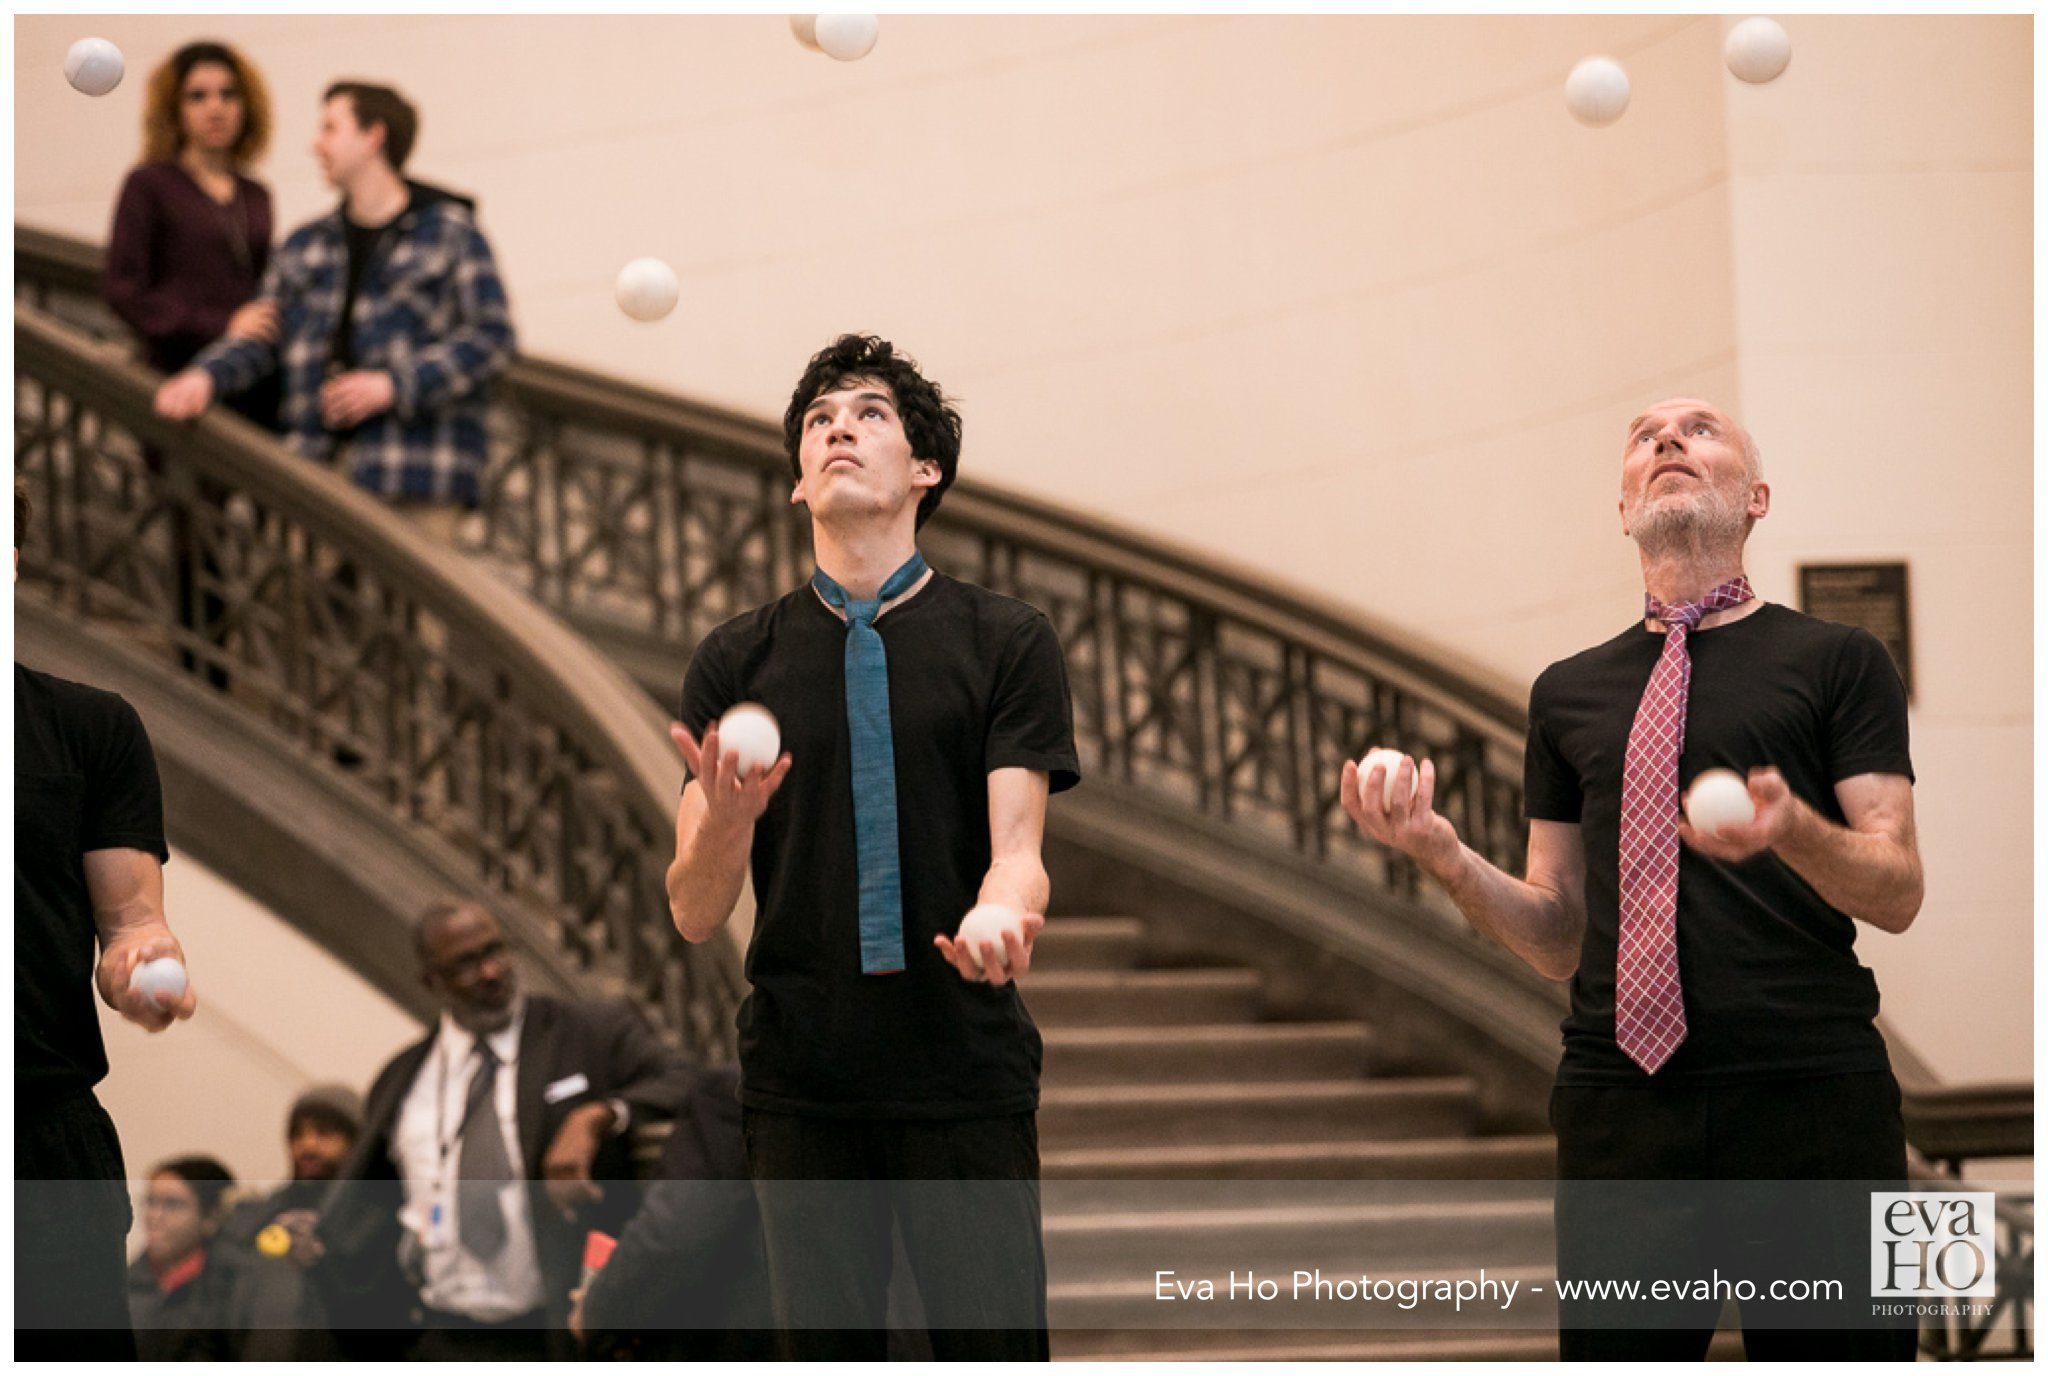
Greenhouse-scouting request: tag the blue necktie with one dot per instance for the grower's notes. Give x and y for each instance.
(873, 750)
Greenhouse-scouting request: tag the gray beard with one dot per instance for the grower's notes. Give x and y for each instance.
(1693, 529)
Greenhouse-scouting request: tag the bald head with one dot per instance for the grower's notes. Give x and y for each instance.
(1752, 457)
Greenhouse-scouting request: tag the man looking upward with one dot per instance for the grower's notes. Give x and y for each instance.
(926, 721)
(1721, 1027)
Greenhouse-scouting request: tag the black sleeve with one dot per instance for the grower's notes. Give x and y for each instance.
(640, 1068)
(1550, 786)
(688, 1234)
(1866, 704)
(698, 1225)
(707, 688)
(124, 803)
(1031, 714)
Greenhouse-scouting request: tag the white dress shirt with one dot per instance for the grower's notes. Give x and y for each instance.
(427, 1146)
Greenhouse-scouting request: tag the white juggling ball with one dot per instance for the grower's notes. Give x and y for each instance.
(987, 922)
(161, 980)
(646, 289)
(1758, 50)
(751, 735)
(94, 66)
(1597, 91)
(1379, 754)
(848, 37)
(805, 27)
(1718, 798)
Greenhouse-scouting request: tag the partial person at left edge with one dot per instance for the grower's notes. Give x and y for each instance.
(191, 232)
(88, 872)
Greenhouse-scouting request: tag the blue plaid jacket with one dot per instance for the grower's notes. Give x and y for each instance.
(430, 311)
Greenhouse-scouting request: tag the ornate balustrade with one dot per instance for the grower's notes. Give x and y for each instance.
(646, 520)
(386, 662)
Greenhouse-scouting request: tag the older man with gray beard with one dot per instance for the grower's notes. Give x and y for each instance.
(1721, 1028)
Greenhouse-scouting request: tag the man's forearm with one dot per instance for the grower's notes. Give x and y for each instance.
(705, 879)
(1870, 876)
(1535, 923)
(1016, 883)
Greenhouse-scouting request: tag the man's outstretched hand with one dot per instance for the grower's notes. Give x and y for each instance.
(729, 798)
(993, 970)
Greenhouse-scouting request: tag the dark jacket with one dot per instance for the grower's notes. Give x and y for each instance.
(274, 1313)
(689, 1280)
(189, 1324)
(617, 1055)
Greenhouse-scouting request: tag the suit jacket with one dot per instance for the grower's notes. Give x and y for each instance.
(617, 1056)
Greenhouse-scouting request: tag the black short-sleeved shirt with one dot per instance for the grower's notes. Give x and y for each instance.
(84, 780)
(1772, 985)
(976, 683)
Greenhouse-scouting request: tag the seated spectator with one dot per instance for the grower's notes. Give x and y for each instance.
(177, 1296)
(390, 322)
(274, 1314)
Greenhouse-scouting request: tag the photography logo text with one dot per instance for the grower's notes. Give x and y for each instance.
(1929, 1244)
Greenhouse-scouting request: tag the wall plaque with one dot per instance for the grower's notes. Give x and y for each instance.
(1872, 596)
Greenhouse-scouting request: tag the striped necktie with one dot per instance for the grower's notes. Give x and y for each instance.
(873, 751)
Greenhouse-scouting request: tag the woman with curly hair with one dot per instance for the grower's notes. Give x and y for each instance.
(192, 230)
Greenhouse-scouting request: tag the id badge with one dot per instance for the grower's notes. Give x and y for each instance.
(440, 1230)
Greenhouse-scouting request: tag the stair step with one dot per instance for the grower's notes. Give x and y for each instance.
(1287, 1345)
(1329, 1345)
(1217, 1051)
(1129, 1246)
(1088, 943)
(1101, 998)
(1136, 1115)
(1531, 1157)
(1135, 1304)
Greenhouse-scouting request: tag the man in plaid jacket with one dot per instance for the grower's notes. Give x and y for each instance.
(386, 316)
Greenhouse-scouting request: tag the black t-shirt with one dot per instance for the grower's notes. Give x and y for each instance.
(976, 683)
(84, 780)
(1772, 985)
(361, 242)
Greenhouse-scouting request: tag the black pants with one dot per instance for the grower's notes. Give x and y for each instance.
(71, 1218)
(964, 1194)
(1648, 1189)
(454, 1338)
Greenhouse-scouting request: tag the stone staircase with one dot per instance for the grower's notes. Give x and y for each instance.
(1184, 1126)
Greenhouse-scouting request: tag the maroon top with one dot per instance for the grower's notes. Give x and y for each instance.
(179, 263)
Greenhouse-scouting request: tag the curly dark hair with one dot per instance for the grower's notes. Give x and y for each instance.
(163, 134)
(930, 422)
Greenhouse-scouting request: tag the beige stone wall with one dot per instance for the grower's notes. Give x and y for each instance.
(1881, 196)
(1349, 301)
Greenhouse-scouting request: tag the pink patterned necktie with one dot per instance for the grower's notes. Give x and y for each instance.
(1649, 1005)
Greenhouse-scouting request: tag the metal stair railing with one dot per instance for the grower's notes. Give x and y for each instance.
(646, 519)
(427, 686)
